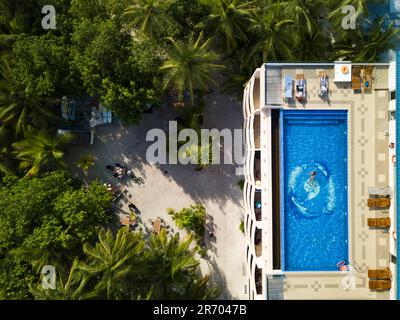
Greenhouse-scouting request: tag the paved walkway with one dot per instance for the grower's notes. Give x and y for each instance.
(178, 186)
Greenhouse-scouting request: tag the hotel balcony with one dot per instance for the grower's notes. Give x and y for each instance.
(258, 242)
(257, 169)
(258, 280)
(256, 94)
(258, 206)
(256, 131)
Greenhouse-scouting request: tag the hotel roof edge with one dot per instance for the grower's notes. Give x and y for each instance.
(397, 174)
(282, 64)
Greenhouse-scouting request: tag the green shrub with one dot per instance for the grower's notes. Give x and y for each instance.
(192, 219)
(241, 226)
(201, 251)
(240, 183)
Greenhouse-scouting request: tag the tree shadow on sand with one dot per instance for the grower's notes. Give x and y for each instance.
(127, 144)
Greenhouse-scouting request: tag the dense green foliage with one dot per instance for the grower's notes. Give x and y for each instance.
(126, 266)
(115, 66)
(132, 54)
(45, 219)
(41, 67)
(53, 219)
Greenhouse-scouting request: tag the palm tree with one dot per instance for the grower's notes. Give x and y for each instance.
(313, 46)
(15, 16)
(361, 46)
(336, 16)
(189, 66)
(85, 162)
(7, 27)
(239, 69)
(17, 108)
(236, 82)
(3, 166)
(229, 20)
(201, 289)
(37, 257)
(6, 43)
(39, 149)
(70, 285)
(301, 12)
(112, 261)
(4, 151)
(171, 265)
(276, 38)
(150, 16)
(5, 13)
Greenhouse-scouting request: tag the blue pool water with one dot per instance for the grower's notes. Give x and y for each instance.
(314, 214)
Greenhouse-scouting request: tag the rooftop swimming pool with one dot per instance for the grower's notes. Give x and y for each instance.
(314, 207)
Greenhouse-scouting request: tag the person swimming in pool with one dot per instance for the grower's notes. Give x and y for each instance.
(312, 178)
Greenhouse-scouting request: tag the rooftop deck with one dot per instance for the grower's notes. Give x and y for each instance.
(368, 166)
(397, 169)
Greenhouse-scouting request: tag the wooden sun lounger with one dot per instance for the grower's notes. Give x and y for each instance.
(379, 222)
(380, 285)
(356, 78)
(380, 273)
(379, 202)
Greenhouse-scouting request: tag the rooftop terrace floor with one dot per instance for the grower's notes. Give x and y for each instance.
(368, 166)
